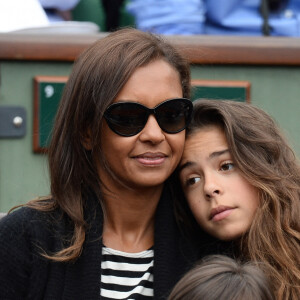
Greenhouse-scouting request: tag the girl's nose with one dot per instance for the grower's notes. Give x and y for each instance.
(211, 186)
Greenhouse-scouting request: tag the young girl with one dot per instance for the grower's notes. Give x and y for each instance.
(108, 230)
(242, 184)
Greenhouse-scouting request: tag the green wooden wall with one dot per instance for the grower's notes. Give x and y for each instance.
(275, 89)
(24, 174)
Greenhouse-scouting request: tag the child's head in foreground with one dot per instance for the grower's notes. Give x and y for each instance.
(241, 181)
(222, 278)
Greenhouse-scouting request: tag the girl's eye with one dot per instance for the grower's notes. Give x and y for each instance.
(192, 181)
(227, 166)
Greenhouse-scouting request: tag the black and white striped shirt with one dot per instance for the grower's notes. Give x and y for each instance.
(126, 275)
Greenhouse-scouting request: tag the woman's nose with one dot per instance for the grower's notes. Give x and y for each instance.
(152, 132)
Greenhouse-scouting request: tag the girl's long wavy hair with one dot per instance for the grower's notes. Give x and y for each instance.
(97, 77)
(265, 159)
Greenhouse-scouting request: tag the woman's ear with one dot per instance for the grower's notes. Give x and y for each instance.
(86, 140)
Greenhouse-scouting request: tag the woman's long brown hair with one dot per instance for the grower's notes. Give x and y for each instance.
(265, 159)
(97, 77)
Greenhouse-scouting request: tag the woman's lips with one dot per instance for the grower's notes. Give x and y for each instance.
(221, 212)
(151, 159)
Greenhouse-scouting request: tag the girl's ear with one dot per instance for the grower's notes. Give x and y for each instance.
(86, 140)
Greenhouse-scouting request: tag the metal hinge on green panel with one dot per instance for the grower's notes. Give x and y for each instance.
(12, 122)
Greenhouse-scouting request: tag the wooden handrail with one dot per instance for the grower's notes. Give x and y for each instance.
(199, 49)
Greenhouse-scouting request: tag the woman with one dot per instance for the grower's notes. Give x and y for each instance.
(118, 135)
(242, 183)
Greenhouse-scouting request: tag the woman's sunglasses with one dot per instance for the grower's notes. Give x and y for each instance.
(129, 118)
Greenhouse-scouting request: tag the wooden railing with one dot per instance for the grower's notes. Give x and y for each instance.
(199, 49)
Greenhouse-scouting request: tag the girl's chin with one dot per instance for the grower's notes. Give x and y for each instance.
(229, 237)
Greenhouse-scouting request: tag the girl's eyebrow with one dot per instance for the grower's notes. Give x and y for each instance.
(218, 153)
(185, 165)
(212, 155)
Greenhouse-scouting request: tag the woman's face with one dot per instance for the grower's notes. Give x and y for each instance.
(221, 199)
(149, 157)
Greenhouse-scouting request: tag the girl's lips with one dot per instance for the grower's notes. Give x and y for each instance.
(221, 212)
(151, 159)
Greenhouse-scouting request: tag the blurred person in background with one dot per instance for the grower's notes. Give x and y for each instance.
(214, 17)
(112, 13)
(59, 10)
(20, 14)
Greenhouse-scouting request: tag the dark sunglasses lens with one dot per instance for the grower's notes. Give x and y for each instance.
(126, 118)
(173, 116)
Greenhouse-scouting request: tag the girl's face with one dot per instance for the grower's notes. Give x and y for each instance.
(147, 158)
(221, 199)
